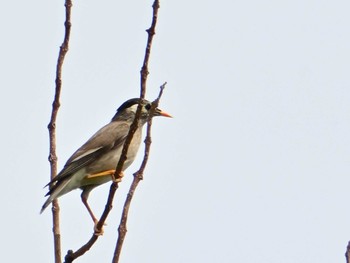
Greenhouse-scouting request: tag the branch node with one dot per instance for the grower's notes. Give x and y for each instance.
(67, 24)
(148, 140)
(151, 31)
(347, 253)
(51, 125)
(69, 257)
(52, 158)
(138, 175)
(156, 4)
(122, 230)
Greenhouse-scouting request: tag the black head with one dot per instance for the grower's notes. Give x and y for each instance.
(128, 110)
(129, 103)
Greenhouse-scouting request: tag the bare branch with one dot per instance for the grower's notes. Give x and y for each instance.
(52, 129)
(138, 176)
(347, 253)
(151, 32)
(71, 256)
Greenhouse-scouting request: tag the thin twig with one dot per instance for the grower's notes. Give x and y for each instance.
(151, 32)
(122, 229)
(52, 129)
(347, 253)
(71, 256)
(138, 176)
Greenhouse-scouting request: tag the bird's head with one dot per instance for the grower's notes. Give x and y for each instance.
(128, 110)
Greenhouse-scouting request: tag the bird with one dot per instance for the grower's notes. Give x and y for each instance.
(94, 163)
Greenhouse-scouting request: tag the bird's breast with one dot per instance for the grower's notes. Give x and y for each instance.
(110, 159)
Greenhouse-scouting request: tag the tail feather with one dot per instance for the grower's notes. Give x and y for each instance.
(54, 193)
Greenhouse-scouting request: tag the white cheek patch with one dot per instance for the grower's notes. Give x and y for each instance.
(133, 108)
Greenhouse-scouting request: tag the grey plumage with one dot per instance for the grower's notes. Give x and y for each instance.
(101, 153)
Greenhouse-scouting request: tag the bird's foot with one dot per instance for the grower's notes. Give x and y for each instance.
(119, 178)
(97, 231)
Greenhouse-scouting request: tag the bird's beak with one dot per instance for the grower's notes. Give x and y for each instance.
(159, 112)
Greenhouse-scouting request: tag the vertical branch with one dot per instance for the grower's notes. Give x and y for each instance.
(122, 229)
(138, 176)
(52, 130)
(151, 32)
(347, 253)
(71, 256)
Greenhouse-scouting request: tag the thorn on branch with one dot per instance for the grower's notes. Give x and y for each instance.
(144, 71)
(68, 4)
(148, 140)
(64, 49)
(69, 257)
(347, 253)
(56, 104)
(156, 4)
(151, 31)
(138, 175)
(51, 125)
(52, 158)
(58, 82)
(55, 208)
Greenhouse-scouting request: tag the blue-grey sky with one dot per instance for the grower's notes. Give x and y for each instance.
(253, 168)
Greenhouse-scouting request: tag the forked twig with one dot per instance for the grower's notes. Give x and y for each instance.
(138, 176)
(52, 129)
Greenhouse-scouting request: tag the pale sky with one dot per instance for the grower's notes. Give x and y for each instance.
(254, 166)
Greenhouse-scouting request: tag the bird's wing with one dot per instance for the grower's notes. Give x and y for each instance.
(109, 136)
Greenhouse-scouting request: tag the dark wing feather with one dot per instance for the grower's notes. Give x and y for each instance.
(102, 141)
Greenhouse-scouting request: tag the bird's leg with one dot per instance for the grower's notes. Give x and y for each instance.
(119, 178)
(98, 232)
(111, 173)
(104, 173)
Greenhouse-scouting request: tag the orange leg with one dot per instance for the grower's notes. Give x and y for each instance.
(84, 200)
(108, 172)
(98, 232)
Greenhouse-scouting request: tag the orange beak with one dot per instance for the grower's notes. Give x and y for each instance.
(159, 112)
(165, 114)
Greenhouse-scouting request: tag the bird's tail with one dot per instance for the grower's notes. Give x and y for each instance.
(55, 192)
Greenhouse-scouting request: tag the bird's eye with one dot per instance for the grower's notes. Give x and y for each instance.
(148, 106)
